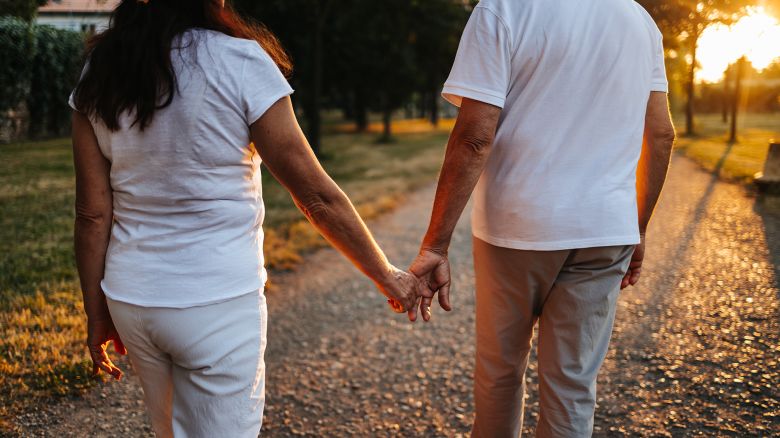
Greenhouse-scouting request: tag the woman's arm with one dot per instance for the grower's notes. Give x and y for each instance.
(94, 215)
(286, 152)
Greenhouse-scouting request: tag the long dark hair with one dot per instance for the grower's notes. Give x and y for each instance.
(130, 65)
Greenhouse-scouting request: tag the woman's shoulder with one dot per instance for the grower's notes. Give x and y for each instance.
(228, 45)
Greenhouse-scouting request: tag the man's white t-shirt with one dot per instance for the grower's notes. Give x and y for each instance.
(573, 78)
(188, 207)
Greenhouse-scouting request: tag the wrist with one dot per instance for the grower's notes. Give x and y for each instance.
(387, 277)
(437, 246)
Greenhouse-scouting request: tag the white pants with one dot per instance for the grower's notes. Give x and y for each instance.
(201, 368)
(573, 295)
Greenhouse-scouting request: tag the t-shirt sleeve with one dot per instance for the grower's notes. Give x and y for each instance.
(482, 67)
(659, 82)
(262, 83)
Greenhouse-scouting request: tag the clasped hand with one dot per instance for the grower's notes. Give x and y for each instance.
(428, 275)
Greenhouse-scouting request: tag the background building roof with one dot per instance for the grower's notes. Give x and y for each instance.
(80, 6)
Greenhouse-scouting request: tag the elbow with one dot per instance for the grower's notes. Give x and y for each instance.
(663, 141)
(478, 142)
(317, 206)
(92, 217)
(668, 136)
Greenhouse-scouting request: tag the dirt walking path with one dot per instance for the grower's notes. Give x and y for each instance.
(695, 349)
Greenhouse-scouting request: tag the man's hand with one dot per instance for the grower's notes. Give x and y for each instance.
(635, 267)
(101, 331)
(433, 269)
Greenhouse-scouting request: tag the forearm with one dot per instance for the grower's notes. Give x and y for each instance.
(459, 175)
(334, 216)
(91, 243)
(651, 174)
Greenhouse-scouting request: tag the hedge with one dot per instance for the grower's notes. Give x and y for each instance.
(43, 68)
(17, 47)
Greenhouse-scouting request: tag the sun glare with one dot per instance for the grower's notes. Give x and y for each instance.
(756, 36)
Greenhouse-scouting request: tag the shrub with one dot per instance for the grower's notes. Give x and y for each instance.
(54, 73)
(17, 44)
(39, 69)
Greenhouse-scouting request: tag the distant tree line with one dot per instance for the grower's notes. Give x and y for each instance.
(364, 55)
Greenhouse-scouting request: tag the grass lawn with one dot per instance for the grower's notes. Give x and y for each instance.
(738, 161)
(41, 321)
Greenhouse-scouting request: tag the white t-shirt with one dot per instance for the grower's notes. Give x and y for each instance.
(188, 207)
(573, 78)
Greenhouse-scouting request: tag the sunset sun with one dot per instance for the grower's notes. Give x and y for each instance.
(755, 36)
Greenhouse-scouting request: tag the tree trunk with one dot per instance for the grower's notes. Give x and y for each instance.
(361, 113)
(726, 95)
(313, 116)
(421, 104)
(387, 123)
(689, 109)
(434, 109)
(313, 113)
(740, 67)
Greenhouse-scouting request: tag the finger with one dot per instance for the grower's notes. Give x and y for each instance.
(395, 305)
(444, 297)
(101, 359)
(625, 281)
(413, 311)
(111, 369)
(119, 346)
(635, 273)
(412, 314)
(425, 308)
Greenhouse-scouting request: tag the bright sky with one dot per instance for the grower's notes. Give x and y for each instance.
(756, 35)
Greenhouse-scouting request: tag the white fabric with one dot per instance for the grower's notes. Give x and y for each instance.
(188, 206)
(201, 368)
(573, 78)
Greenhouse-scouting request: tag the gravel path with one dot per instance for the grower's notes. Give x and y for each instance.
(695, 349)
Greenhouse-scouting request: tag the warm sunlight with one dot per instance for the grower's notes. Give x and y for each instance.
(756, 35)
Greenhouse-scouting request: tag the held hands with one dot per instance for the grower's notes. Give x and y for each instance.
(101, 331)
(401, 289)
(428, 274)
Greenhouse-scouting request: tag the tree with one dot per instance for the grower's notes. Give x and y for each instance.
(24, 9)
(686, 20)
(303, 26)
(437, 26)
(363, 55)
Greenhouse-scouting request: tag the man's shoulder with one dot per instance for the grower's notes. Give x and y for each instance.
(504, 7)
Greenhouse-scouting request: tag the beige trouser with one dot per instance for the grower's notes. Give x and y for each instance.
(201, 368)
(573, 294)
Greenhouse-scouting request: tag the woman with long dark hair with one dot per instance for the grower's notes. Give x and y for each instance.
(177, 105)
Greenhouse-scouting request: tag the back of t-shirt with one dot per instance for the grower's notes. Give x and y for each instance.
(573, 78)
(187, 196)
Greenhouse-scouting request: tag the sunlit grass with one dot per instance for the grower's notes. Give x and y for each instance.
(739, 161)
(41, 321)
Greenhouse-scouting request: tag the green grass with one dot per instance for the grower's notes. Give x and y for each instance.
(739, 161)
(41, 321)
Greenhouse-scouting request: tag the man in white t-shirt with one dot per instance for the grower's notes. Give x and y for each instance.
(556, 98)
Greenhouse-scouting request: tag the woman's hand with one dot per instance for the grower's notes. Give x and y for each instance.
(101, 331)
(402, 290)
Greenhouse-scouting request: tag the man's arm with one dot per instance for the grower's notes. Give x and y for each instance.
(467, 152)
(651, 172)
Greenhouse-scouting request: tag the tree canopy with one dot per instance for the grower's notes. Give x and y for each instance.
(360, 55)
